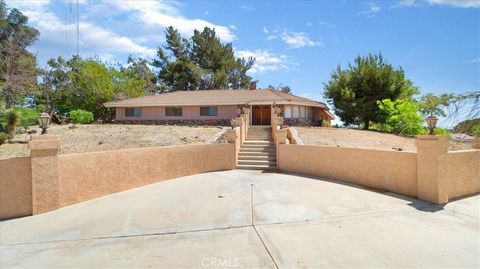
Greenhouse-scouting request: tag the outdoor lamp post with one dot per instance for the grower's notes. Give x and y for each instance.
(44, 120)
(432, 124)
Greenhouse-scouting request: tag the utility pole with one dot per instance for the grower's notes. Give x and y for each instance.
(78, 32)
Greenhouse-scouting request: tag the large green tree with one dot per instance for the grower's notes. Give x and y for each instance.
(17, 65)
(431, 104)
(87, 84)
(201, 63)
(355, 91)
(219, 62)
(176, 70)
(140, 68)
(53, 83)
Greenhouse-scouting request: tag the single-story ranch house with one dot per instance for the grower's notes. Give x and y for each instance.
(218, 107)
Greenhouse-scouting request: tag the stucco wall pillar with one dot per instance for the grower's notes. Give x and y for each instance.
(476, 143)
(241, 123)
(245, 117)
(433, 185)
(281, 138)
(233, 136)
(44, 164)
(274, 126)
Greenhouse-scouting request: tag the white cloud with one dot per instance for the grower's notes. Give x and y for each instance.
(475, 61)
(298, 40)
(453, 3)
(26, 4)
(247, 7)
(457, 3)
(108, 28)
(232, 26)
(94, 40)
(407, 3)
(326, 24)
(265, 61)
(371, 10)
(153, 13)
(292, 39)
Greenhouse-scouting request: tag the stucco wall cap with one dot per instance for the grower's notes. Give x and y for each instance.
(44, 137)
(431, 137)
(44, 142)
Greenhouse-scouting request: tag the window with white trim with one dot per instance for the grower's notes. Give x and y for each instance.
(288, 112)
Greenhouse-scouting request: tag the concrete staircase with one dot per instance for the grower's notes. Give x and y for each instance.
(258, 150)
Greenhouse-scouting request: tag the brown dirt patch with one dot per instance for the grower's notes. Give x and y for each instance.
(96, 137)
(350, 138)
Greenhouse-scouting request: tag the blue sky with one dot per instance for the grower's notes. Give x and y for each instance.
(296, 43)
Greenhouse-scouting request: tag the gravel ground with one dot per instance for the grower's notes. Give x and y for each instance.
(96, 137)
(364, 139)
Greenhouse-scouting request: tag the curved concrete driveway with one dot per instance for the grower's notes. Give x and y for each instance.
(247, 219)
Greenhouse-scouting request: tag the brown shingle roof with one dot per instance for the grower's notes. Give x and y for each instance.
(216, 97)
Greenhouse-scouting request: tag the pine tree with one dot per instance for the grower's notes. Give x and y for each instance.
(355, 91)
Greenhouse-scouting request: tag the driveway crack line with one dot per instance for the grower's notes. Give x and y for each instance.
(126, 236)
(255, 229)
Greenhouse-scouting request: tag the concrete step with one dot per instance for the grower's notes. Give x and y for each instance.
(259, 135)
(257, 153)
(258, 142)
(256, 167)
(257, 158)
(266, 144)
(269, 148)
(257, 148)
(257, 162)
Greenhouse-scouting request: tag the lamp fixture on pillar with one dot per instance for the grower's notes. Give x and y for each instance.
(44, 121)
(432, 124)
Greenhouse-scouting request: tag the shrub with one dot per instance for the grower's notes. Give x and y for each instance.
(3, 138)
(28, 117)
(401, 116)
(326, 124)
(81, 116)
(440, 131)
(11, 118)
(476, 130)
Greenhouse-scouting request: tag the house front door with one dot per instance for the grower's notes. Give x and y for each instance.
(261, 115)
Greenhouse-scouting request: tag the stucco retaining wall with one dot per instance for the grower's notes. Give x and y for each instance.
(89, 175)
(463, 170)
(386, 170)
(15, 187)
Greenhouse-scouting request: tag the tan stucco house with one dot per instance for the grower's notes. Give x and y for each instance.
(219, 107)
